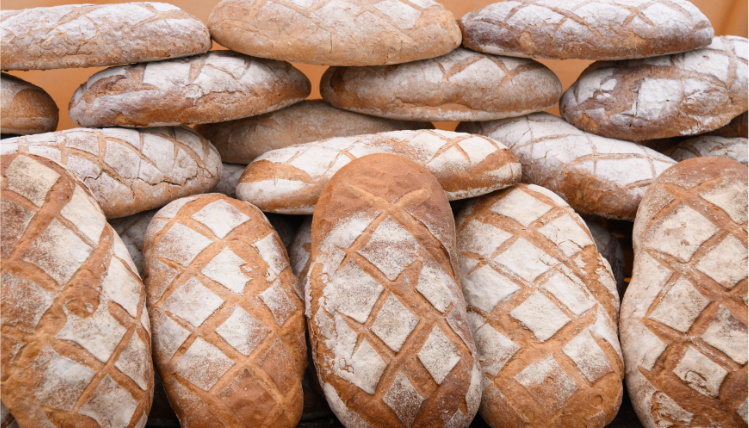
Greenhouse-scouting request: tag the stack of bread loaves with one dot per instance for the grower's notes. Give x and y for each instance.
(390, 308)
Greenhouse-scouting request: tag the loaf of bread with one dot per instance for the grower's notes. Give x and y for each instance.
(128, 170)
(543, 309)
(611, 249)
(682, 94)
(462, 85)
(336, 32)
(299, 251)
(132, 231)
(684, 316)
(243, 140)
(88, 35)
(25, 108)
(290, 180)
(387, 321)
(599, 29)
(76, 337)
(213, 87)
(595, 175)
(227, 314)
(710, 146)
(227, 184)
(737, 127)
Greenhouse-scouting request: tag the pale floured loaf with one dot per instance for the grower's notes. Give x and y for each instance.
(462, 85)
(599, 29)
(299, 251)
(227, 184)
(595, 175)
(76, 337)
(682, 94)
(25, 108)
(611, 249)
(386, 316)
(213, 87)
(88, 35)
(684, 315)
(129, 170)
(227, 314)
(241, 141)
(336, 32)
(543, 309)
(710, 146)
(132, 231)
(290, 180)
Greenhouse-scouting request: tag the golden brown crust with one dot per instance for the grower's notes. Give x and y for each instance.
(25, 108)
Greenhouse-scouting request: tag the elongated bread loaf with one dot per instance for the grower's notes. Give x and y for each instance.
(76, 337)
(386, 316)
(595, 175)
(543, 309)
(290, 180)
(684, 316)
(710, 146)
(129, 170)
(227, 314)
(25, 108)
(88, 35)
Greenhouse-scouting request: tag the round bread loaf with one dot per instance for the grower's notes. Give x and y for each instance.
(684, 316)
(611, 249)
(25, 108)
(213, 87)
(227, 314)
(132, 231)
(243, 140)
(543, 309)
(230, 174)
(129, 170)
(710, 146)
(336, 32)
(682, 94)
(594, 175)
(387, 321)
(462, 85)
(88, 35)
(290, 180)
(600, 29)
(76, 338)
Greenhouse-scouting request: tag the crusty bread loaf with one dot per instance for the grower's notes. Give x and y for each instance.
(684, 316)
(132, 231)
(299, 251)
(227, 184)
(710, 146)
(543, 309)
(76, 338)
(594, 175)
(462, 85)
(600, 29)
(128, 170)
(387, 321)
(227, 314)
(213, 87)
(243, 140)
(682, 94)
(25, 108)
(335, 32)
(88, 35)
(290, 180)
(611, 249)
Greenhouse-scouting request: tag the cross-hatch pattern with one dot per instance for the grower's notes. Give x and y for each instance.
(542, 308)
(74, 351)
(227, 316)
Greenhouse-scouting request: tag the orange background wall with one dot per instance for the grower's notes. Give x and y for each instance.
(729, 17)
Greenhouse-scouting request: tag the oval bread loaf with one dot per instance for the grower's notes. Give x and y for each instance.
(386, 316)
(227, 314)
(334, 32)
(611, 249)
(76, 337)
(243, 140)
(227, 184)
(213, 87)
(132, 230)
(710, 146)
(128, 170)
(461, 85)
(290, 180)
(543, 309)
(682, 94)
(595, 175)
(684, 316)
(88, 35)
(25, 108)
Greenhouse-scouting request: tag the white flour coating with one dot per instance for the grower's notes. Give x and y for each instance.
(444, 153)
(97, 35)
(25, 108)
(711, 146)
(230, 174)
(132, 231)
